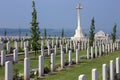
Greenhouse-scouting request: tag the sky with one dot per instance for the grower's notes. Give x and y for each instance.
(58, 14)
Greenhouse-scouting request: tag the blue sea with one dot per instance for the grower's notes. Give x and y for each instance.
(50, 32)
(23, 32)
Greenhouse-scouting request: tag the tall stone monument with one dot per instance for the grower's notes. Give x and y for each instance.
(79, 36)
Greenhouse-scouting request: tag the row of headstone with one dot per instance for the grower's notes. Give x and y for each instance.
(108, 73)
(15, 56)
(101, 49)
(9, 69)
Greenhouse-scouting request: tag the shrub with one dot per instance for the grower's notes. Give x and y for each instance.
(46, 70)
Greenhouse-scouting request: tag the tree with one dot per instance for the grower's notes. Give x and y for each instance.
(62, 33)
(113, 34)
(45, 33)
(35, 33)
(92, 33)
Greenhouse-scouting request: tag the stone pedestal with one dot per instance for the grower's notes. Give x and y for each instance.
(66, 48)
(96, 51)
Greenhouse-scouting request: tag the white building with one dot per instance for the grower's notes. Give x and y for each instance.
(101, 36)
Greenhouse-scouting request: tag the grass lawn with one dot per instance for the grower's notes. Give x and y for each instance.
(69, 73)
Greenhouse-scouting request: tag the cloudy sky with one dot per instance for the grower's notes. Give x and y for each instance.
(60, 13)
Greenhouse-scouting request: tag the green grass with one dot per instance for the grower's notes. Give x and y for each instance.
(69, 73)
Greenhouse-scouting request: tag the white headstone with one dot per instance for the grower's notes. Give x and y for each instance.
(62, 59)
(82, 77)
(25, 44)
(52, 62)
(77, 56)
(92, 53)
(96, 51)
(88, 53)
(3, 57)
(70, 57)
(74, 46)
(103, 48)
(15, 55)
(66, 48)
(8, 46)
(16, 44)
(55, 50)
(108, 48)
(111, 70)
(49, 52)
(118, 65)
(8, 70)
(94, 74)
(41, 65)
(26, 69)
(100, 51)
(111, 48)
(42, 50)
(104, 72)
(26, 52)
